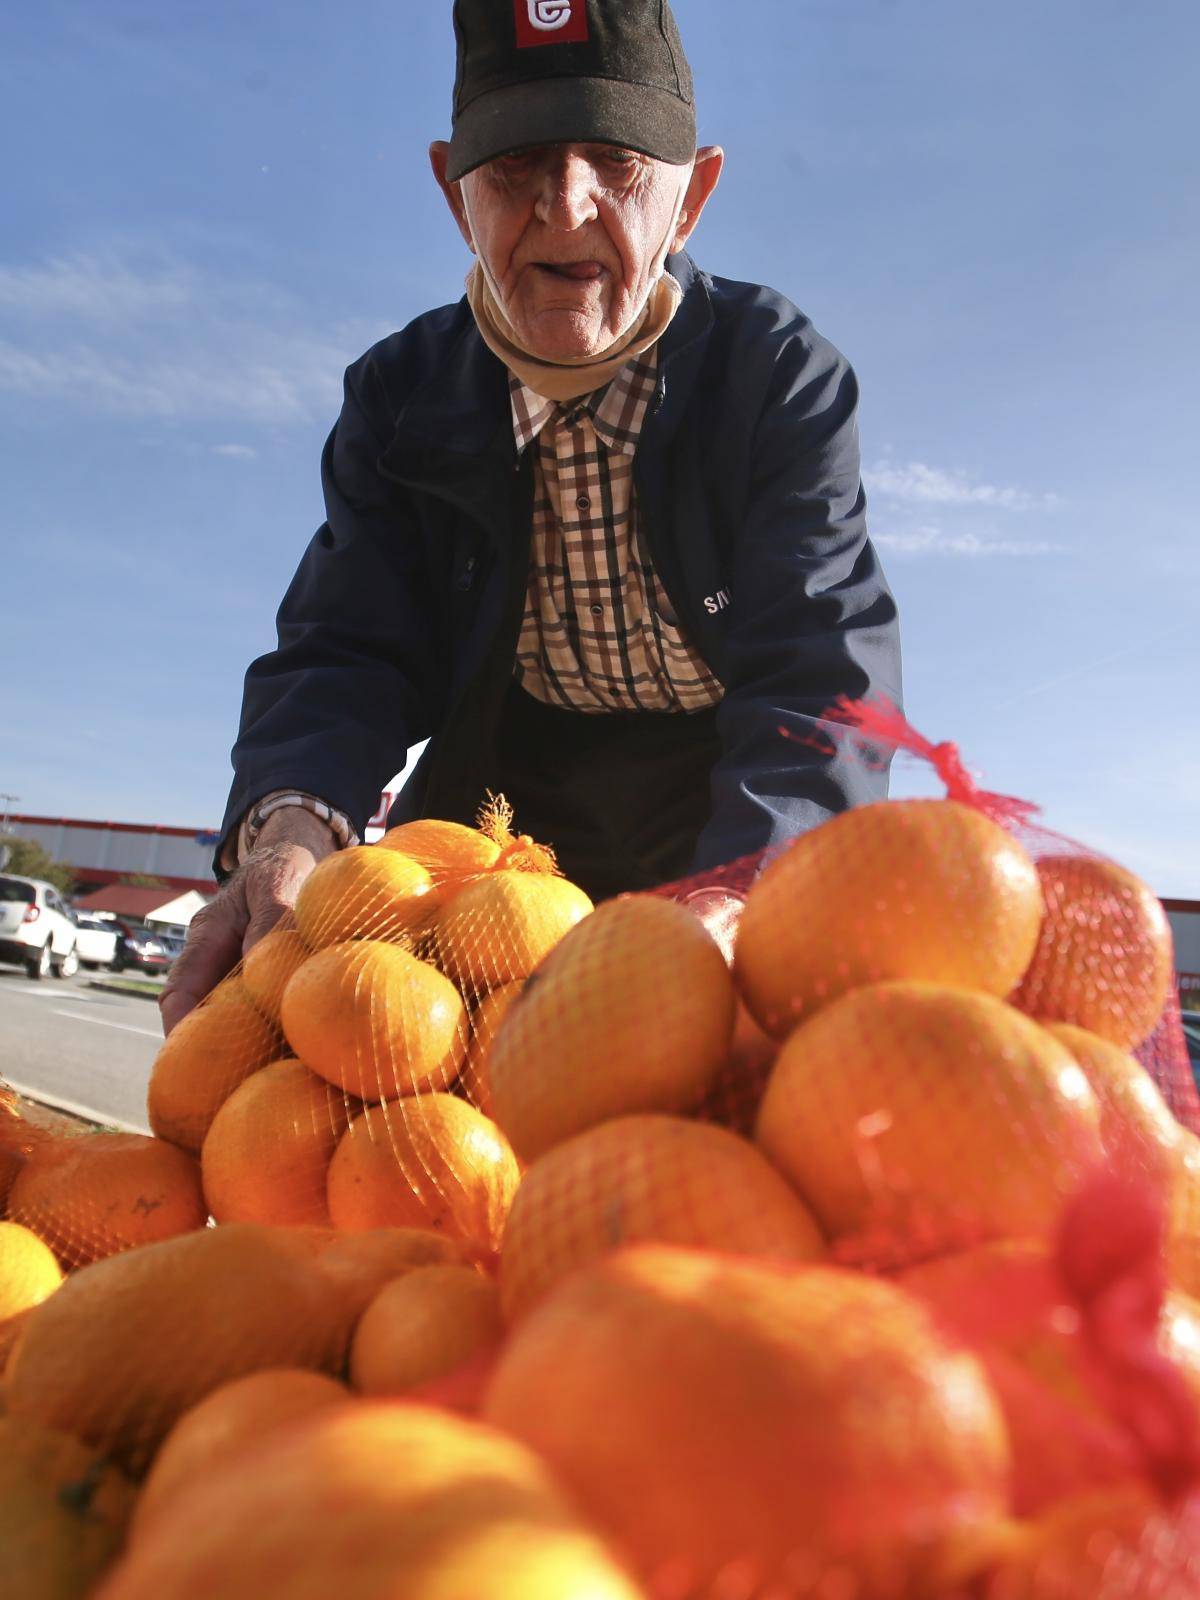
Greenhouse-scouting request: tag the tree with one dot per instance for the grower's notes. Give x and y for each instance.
(141, 880)
(27, 859)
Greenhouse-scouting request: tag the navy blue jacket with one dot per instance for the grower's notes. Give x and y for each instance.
(401, 623)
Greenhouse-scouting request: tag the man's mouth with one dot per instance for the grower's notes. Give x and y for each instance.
(575, 271)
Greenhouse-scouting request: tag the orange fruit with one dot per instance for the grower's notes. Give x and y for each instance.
(1118, 1543)
(497, 929)
(375, 1021)
(29, 1272)
(93, 1196)
(646, 1179)
(63, 1513)
(1179, 1336)
(632, 1012)
(269, 965)
(125, 1346)
(1135, 1123)
(931, 1116)
(10, 1332)
(375, 1500)
(421, 1327)
(226, 1421)
(1183, 1226)
(736, 1092)
(1006, 1302)
(1104, 958)
(361, 1264)
(450, 852)
(362, 893)
(924, 889)
(486, 1017)
(202, 1061)
(427, 1161)
(710, 1413)
(267, 1154)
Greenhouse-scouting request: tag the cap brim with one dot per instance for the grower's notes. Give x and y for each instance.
(572, 111)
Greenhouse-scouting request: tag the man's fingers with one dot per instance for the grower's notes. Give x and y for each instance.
(214, 946)
(265, 917)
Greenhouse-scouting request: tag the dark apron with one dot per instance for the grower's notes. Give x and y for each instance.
(621, 796)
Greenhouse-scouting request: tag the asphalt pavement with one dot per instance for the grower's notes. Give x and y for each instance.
(79, 1048)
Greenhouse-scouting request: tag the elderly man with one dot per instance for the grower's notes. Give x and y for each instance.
(596, 532)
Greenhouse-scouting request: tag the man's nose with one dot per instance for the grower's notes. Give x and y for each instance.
(567, 196)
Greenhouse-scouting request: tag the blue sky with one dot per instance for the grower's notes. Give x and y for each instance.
(991, 208)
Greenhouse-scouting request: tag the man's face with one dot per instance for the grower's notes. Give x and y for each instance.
(571, 233)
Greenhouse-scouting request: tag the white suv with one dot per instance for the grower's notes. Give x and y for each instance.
(36, 928)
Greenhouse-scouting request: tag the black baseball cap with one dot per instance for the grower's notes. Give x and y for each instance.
(533, 72)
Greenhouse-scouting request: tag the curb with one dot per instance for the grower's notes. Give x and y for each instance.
(122, 988)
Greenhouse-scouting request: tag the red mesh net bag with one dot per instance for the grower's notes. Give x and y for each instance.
(841, 1240)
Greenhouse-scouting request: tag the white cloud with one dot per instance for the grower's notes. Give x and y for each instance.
(95, 287)
(915, 483)
(149, 336)
(929, 541)
(236, 452)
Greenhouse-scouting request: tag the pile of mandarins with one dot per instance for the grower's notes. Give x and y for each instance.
(355, 1319)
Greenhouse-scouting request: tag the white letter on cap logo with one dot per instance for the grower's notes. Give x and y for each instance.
(547, 15)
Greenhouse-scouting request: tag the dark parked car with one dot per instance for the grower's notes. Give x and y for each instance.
(140, 947)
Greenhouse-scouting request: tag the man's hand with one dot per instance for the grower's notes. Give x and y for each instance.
(246, 908)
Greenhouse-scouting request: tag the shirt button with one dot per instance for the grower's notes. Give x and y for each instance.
(583, 502)
(597, 610)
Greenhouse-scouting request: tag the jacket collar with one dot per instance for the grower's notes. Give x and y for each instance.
(464, 408)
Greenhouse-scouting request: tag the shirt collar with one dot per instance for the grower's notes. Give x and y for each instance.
(617, 411)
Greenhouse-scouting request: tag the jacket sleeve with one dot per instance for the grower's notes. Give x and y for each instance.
(813, 617)
(334, 707)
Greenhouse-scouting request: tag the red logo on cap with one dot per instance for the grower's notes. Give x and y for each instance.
(551, 22)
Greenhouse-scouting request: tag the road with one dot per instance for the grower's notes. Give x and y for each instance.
(75, 1047)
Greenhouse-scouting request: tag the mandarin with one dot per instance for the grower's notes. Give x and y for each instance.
(646, 1179)
(426, 1161)
(226, 1421)
(93, 1196)
(486, 1017)
(497, 929)
(375, 1021)
(359, 1265)
(63, 1513)
(202, 1061)
(450, 852)
(363, 893)
(371, 1501)
(422, 1327)
(633, 1011)
(269, 965)
(710, 1413)
(1119, 1543)
(924, 889)
(930, 1117)
(266, 1156)
(1007, 1303)
(1136, 1125)
(126, 1345)
(1104, 958)
(29, 1271)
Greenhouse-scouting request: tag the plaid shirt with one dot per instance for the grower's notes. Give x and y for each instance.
(598, 632)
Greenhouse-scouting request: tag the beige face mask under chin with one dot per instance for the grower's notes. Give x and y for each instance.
(567, 380)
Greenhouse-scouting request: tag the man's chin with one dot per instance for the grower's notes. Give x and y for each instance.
(566, 335)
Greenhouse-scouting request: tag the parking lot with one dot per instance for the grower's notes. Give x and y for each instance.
(72, 1044)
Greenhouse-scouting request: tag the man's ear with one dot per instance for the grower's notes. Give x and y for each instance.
(439, 154)
(710, 159)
